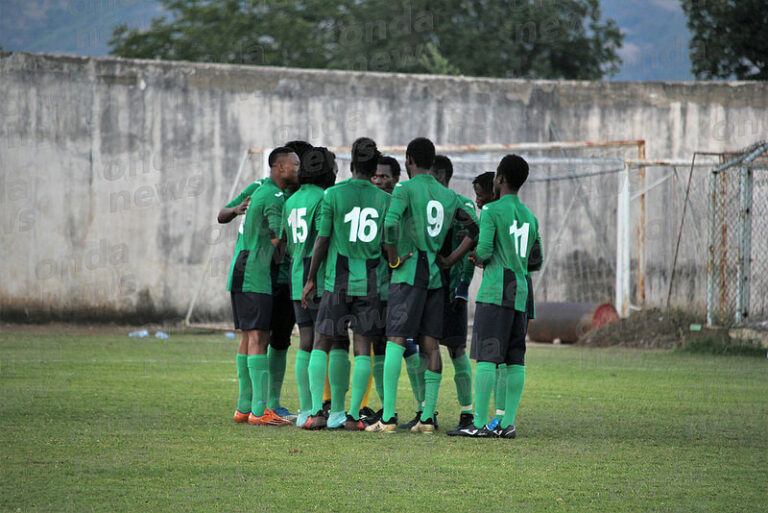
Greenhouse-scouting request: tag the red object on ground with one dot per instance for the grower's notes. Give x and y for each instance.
(569, 321)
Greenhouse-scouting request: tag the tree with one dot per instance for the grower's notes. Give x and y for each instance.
(496, 38)
(728, 38)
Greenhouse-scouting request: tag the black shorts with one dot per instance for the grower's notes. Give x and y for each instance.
(499, 335)
(414, 311)
(252, 310)
(454, 325)
(339, 312)
(306, 316)
(283, 318)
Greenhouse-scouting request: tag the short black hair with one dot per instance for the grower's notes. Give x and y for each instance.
(365, 156)
(485, 181)
(514, 169)
(318, 167)
(275, 154)
(443, 163)
(422, 151)
(394, 165)
(299, 147)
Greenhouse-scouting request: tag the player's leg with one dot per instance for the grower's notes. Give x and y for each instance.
(432, 329)
(283, 321)
(305, 318)
(415, 366)
(245, 392)
(339, 368)
(360, 379)
(489, 342)
(515, 369)
(316, 369)
(500, 390)
(455, 340)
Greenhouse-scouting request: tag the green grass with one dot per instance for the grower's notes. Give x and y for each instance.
(110, 423)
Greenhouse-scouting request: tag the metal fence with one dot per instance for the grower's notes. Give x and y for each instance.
(737, 270)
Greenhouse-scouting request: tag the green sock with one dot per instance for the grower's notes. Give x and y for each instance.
(463, 379)
(316, 372)
(378, 375)
(338, 377)
(484, 378)
(302, 380)
(359, 384)
(515, 382)
(431, 388)
(500, 395)
(416, 376)
(246, 388)
(258, 369)
(393, 362)
(276, 359)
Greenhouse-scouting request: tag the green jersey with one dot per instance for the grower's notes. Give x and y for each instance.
(252, 269)
(300, 223)
(420, 216)
(508, 234)
(464, 270)
(352, 215)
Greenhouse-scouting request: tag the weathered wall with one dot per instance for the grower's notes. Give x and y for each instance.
(112, 171)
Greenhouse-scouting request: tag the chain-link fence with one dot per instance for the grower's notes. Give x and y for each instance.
(737, 279)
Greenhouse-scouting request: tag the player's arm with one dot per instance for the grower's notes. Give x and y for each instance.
(468, 221)
(274, 214)
(536, 258)
(484, 249)
(320, 249)
(238, 206)
(397, 207)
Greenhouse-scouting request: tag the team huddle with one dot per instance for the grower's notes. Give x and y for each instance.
(391, 262)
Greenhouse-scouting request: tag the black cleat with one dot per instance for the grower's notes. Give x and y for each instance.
(326, 411)
(317, 421)
(465, 420)
(473, 432)
(366, 413)
(507, 432)
(412, 422)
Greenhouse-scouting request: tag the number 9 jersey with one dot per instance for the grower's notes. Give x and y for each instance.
(352, 215)
(419, 218)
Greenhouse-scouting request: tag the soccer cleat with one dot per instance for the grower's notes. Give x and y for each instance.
(283, 412)
(464, 420)
(507, 432)
(302, 417)
(241, 417)
(366, 413)
(372, 419)
(269, 418)
(315, 422)
(473, 432)
(381, 426)
(424, 426)
(326, 408)
(411, 423)
(336, 419)
(354, 425)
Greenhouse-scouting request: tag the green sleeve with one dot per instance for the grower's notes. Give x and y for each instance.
(248, 191)
(397, 207)
(273, 211)
(325, 217)
(467, 270)
(487, 234)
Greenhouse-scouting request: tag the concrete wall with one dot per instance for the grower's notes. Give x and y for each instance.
(112, 171)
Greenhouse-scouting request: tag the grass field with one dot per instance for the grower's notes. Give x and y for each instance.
(111, 423)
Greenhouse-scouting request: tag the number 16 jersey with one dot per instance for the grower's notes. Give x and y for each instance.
(352, 215)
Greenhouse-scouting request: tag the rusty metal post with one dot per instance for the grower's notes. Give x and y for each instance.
(745, 245)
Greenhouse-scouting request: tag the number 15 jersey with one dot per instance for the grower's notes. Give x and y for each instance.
(352, 215)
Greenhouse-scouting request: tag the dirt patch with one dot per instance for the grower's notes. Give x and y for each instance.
(649, 329)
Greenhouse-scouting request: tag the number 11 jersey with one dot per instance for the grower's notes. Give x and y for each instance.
(352, 215)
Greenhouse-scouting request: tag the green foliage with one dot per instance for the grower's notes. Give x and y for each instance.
(728, 38)
(498, 38)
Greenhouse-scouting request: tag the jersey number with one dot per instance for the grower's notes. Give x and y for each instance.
(298, 225)
(363, 224)
(434, 218)
(521, 238)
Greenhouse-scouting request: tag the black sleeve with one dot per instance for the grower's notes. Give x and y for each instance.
(468, 223)
(535, 259)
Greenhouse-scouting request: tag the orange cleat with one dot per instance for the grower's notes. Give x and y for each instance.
(241, 417)
(269, 418)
